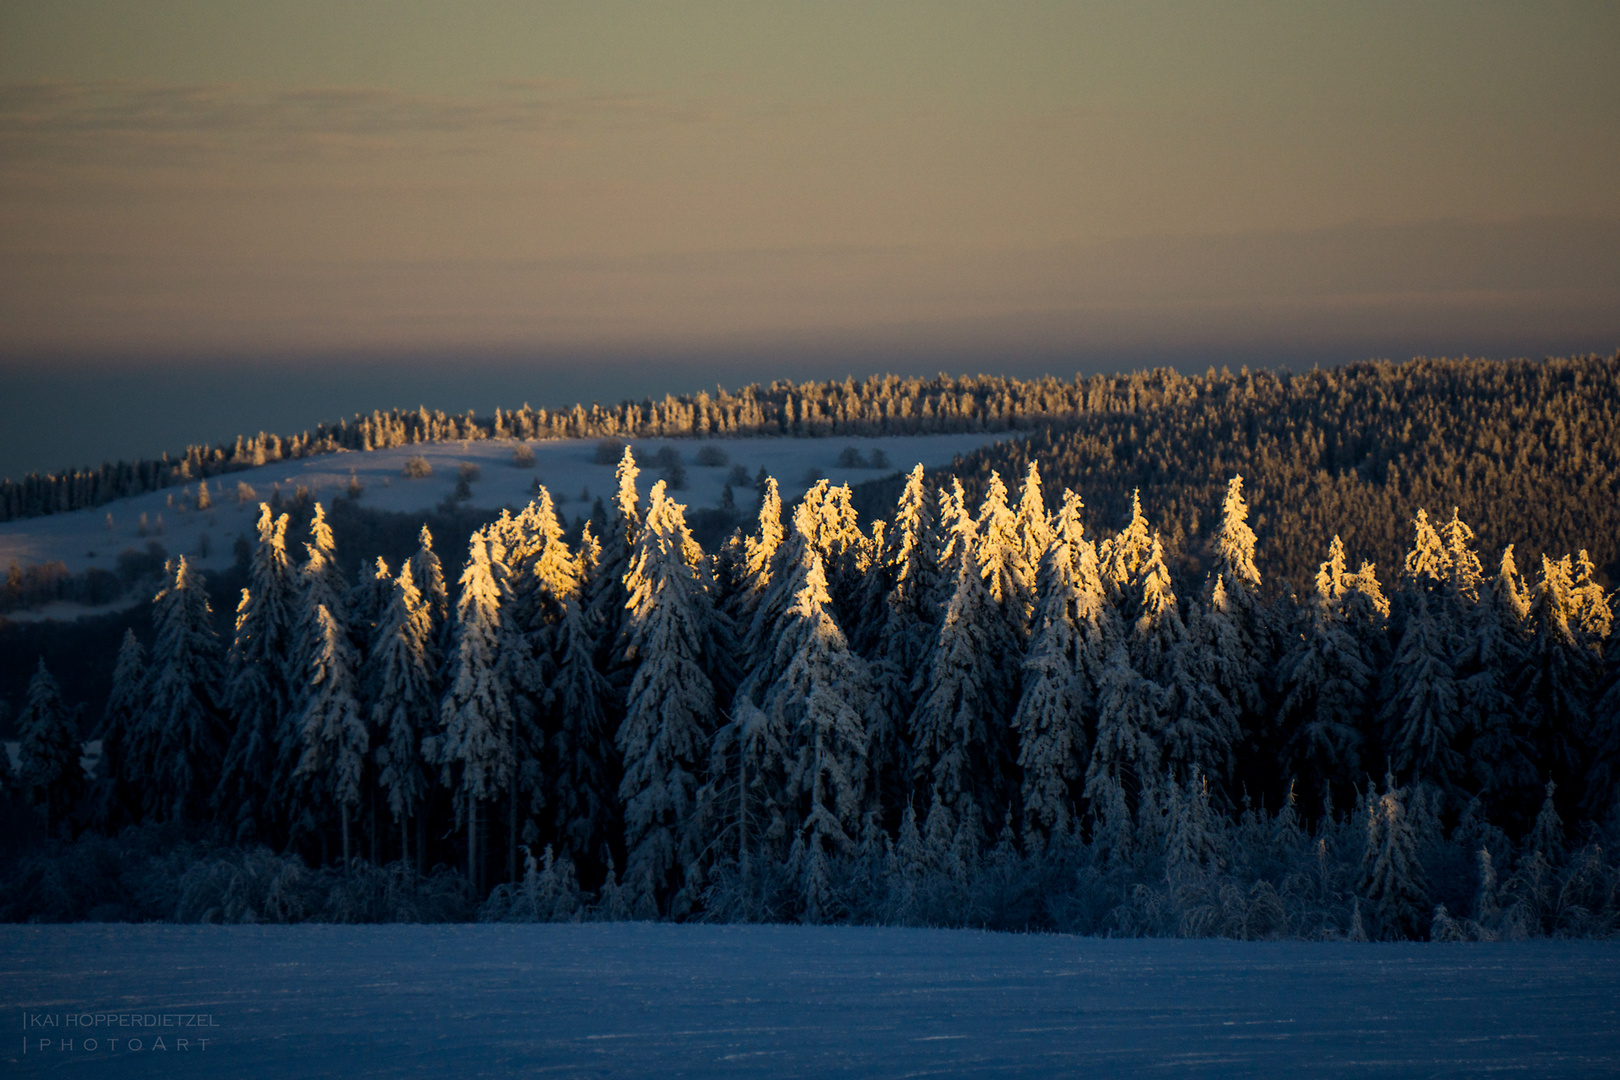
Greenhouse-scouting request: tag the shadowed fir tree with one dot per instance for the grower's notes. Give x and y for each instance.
(48, 751)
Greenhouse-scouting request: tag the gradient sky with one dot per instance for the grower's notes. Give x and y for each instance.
(875, 185)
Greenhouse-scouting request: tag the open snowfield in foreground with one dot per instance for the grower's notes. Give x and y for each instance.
(83, 538)
(641, 1000)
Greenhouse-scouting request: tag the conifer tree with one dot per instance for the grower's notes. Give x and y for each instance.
(759, 555)
(48, 751)
(1009, 579)
(1556, 683)
(1124, 772)
(366, 600)
(320, 585)
(1325, 685)
(820, 700)
(117, 796)
(334, 735)
(428, 574)
(402, 672)
(1052, 711)
(960, 736)
(184, 726)
(673, 639)
(260, 687)
(1421, 711)
(1502, 755)
(1426, 563)
(897, 632)
(1234, 555)
(1464, 573)
(1034, 525)
(475, 746)
(1123, 556)
(1159, 631)
(1392, 878)
(618, 547)
(1201, 724)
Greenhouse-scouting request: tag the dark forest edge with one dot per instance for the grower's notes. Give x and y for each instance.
(954, 718)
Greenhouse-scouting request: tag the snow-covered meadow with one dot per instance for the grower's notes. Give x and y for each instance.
(643, 1000)
(93, 538)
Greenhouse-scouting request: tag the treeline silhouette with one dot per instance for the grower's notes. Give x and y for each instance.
(880, 405)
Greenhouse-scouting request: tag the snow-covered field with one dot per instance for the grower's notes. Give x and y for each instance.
(87, 538)
(638, 1000)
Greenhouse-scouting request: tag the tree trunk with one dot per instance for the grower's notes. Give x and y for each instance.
(421, 840)
(405, 841)
(472, 842)
(511, 832)
(345, 810)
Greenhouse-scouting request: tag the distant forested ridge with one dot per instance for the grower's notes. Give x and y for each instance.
(881, 405)
(1527, 451)
(977, 711)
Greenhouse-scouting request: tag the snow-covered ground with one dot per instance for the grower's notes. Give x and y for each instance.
(636, 1000)
(87, 538)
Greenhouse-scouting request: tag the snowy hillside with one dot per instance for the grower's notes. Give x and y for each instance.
(93, 538)
(639, 1000)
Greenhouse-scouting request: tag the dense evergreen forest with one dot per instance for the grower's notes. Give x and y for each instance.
(979, 711)
(1528, 452)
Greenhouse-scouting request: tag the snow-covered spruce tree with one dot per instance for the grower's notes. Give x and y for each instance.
(1051, 718)
(402, 673)
(320, 585)
(744, 813)
(962, 744)
(1426, 563)
(1234, 666)
(1009, 578)
(428, 574)
(1123, 556)
(580, 768)
(759, 555)
(833, 532)
(185, 726)
(117, 792)
(1392, 879)
(48, 752)
(609, 596)
(1234, 561)
(1556, 682)
(1195, 841)
(674, 641)
(335, 740)
(1421, 713)
(1201, 726)
(895, 635)
(366, 600)
(1593, 614)
(1035, 530)
(824, 523)
(1325, 682)
(260, 687)
(1238, 634)
(820, 701)
(953, 525)
(1158, 630)
(1502, 755)
(1464, 574)
(475, 745)
(1123, 775)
